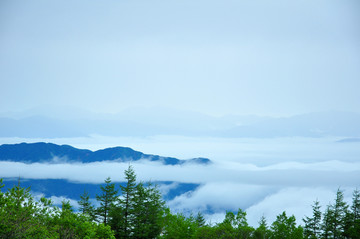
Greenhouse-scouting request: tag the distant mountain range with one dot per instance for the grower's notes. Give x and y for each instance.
(150, 122)
(73, 190)
(349, 140)
(53, 153)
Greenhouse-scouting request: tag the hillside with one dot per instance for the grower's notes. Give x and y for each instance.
(53, 153)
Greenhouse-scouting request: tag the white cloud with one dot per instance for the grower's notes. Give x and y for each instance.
(284, 174)
(217, 196)
(295, 201)
(268, 190)
(341, 173)
(165, 188)
(263, 176)
(57, 200)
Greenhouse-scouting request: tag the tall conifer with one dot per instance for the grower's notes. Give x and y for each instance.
(106, 200)
(313, 224)
(85, 206)
(354, 227)
(123, 214)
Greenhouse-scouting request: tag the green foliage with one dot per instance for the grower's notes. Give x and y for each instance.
(313, 224)
(285, 227)
(85, 206)
(73, 225)
(123, 215)
(178, 226)
(22, 217)
(233, 226)
(335, 218)
(200, 220)
(262, 232)
(70, 225)
(140, 213)
(353, 218)
(103, 231)
(148, 212)
(326, 223)
(106, 199)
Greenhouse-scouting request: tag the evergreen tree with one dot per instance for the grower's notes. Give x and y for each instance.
(243, 229)
(123, 215)
(355, 207)
(262, 232)
(106, 200)
(148, 211)
(200, 220)
(140, 221)
(85, 206)
(73, 225)
(139, 211)
(326, 223)
(313, 224)
(22, 217)
(178, 226)
(353, 229)
(285, 227)
(226, 229)
(66, 221)
(339, 212)
(234, 226)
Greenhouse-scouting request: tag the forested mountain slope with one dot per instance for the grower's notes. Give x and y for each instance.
(53, 153)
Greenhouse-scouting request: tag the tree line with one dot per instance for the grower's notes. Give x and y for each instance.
(137, 210)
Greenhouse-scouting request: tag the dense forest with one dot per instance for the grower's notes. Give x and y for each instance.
(137, 210)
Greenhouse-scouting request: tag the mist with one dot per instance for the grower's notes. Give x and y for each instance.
(261, 176)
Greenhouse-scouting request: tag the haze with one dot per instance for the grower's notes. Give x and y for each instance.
(275, 58)
(268, 90)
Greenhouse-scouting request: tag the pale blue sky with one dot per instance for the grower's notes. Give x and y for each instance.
(276, 58)
(215, 57)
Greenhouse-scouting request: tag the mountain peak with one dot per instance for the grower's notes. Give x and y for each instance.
(47, 152)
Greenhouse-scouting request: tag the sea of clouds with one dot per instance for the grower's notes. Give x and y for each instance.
(261, 176)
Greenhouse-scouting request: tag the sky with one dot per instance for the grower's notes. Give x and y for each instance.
(274, 58)
(207, 57)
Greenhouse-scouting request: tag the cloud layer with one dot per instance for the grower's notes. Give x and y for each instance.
(263, 176)
(292, 173)
(265, 190)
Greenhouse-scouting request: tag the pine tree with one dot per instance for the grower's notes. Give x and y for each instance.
(313, 224)
(340, 209)
(200, 220)
(139, 212)
(262, 232)
(70, 224)
(243, 229)
(122, 215)
(107, 200)
(180, 227)
(22, 217)
(326, 223)
(85, 206)
(285, 227)
(148, 211)
(353, 229)
(127, 203)
(355, 207)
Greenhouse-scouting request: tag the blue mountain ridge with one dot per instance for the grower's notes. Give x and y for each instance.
(46, 152)
(73, 190)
